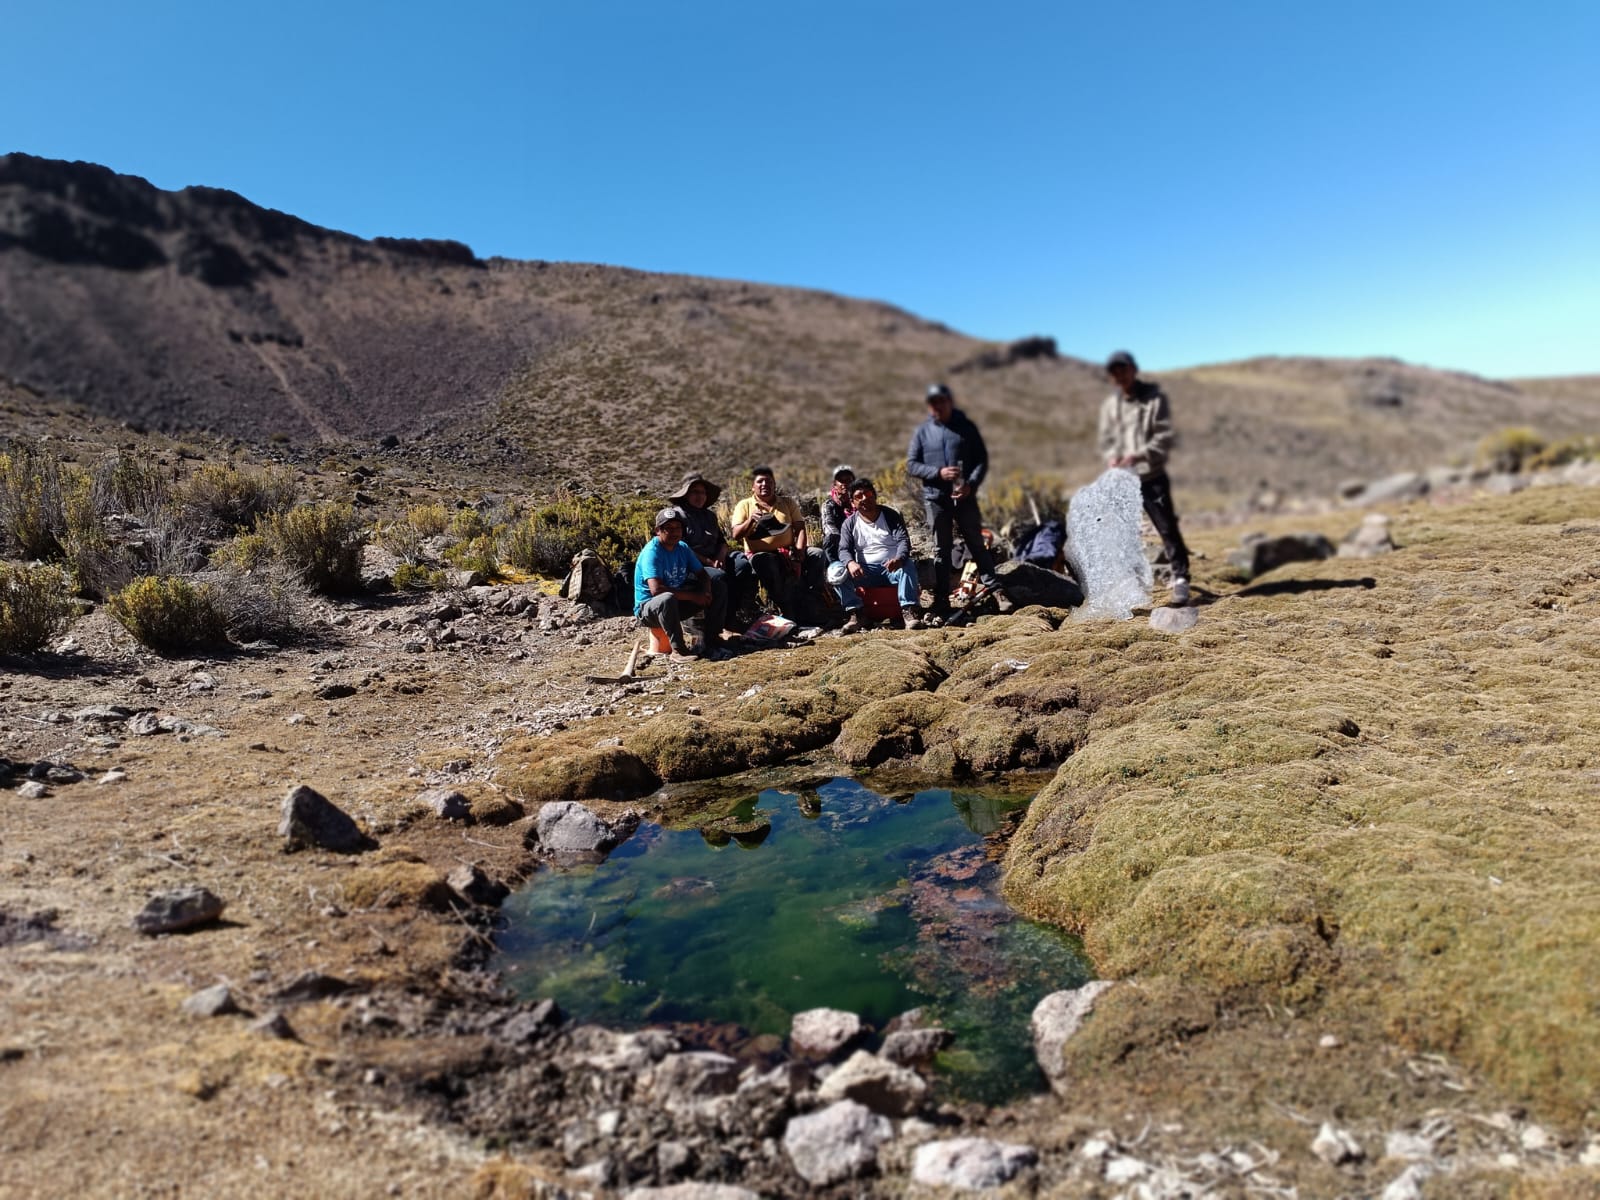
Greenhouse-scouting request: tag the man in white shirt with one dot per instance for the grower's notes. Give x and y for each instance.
(875, 551)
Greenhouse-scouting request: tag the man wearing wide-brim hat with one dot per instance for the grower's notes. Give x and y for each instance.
(670, 582)
(703, 534)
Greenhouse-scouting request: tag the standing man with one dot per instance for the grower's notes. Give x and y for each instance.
(774, 535)
(669, 582)
(1136, 433)
(947, 453)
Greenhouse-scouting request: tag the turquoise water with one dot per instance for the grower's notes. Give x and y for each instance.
(836, 897)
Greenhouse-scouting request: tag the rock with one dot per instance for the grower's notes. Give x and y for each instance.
(823, 1032)
(1174, 620)
(1105, 545)
(446, 804)
(311, 819)
(1368, 539)
(1408, 1184)
(1334, 1146)
(274, 1025)
(1122, 1169)
(389, 441)
(1055, 1019)
(1259, 553)
(214, 1001)
(33, 790)
(838, 1143)
(56, 773)
(1408, 1146)
(335, 691)
(1408, 485)
(115, 775)
(1027, 583)
(532, 1023)
(470, 883)
(569, 831)
(102, 714)
(692, 1191)
(462, 580)
(309, 986)
(202, 681)
(910, 1047)
(875, 1082)
(180, 908)
(1329, 1041)
(1535, 1138)
(588, 582)
(969, 1164)
(692, 1075)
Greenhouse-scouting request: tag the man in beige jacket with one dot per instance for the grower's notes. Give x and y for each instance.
(1136, 433)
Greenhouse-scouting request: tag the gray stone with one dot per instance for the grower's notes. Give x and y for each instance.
(335, 691)
(1407, 485)
(1105, 545)
(1369, 539)
(214, 1001)
(1504, 485)
(103, 714)
(531, 1023)
(469, 882)
(876, 1082)
(1334, 1146)
(970, 1164)
(115, 775)
(311, 985)
(1259, 553)
(446, 804)
(144, 725)
(1028, 583)
(180, 908)
(692, 1191)
(311, 819)
(274, 1025)
(1408, 1184)
(823, 1032)
(840, 1142)
(909, 1047)
(1055, 1019)
(694, 1074)
(1174, 620)
(33, 790)
(569, 831)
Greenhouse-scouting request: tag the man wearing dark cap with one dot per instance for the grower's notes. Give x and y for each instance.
(947, 453)
(668, 579)
(1136, 433)
(728, 569)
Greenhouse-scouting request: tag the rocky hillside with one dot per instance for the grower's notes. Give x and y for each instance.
(198, 310)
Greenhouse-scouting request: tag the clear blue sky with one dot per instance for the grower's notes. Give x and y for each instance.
(1196, 181)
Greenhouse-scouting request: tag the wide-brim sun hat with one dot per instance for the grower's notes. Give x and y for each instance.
(693, 477)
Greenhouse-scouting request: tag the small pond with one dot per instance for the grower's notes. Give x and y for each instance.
(836, 897)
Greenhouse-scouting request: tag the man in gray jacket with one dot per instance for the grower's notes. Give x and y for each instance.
(1136, 433)
(947, 453)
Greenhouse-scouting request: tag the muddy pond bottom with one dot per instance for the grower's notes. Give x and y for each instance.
(836, 897)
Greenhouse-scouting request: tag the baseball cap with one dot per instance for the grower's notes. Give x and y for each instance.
(668, 514)
(1121, 358)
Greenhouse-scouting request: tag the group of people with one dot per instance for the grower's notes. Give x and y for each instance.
(692, 567)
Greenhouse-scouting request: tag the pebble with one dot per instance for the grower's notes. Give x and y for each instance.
(298, 718)
(214, 1001)
(1536, 1138)
(115, 775)
(1123, 1169)
(1329, 1041)
(1334, 1146)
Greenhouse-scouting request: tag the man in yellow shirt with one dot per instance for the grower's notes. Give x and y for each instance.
(773, 533)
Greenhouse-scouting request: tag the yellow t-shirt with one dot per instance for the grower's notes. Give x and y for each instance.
(787, 511)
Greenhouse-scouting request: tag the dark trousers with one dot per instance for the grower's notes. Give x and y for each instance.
(1157, 490)
(945, 517)
(793, 595)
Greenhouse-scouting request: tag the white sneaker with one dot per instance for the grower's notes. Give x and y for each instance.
(1180, 590)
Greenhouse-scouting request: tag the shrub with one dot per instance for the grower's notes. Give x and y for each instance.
(125, 484)
(33, 607)
(429, 520)
(33, 514)
(1584, 448)
(615, 529)
(468, 523)
(1509, 449)
(321, 541)
(219, 500)
(268, 601)
(169, 614)
(410, 577)
(481, 553)
(245, 552)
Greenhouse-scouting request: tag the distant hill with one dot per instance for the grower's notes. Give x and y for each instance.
(198, 310)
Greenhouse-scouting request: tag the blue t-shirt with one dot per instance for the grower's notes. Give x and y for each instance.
(672, 567)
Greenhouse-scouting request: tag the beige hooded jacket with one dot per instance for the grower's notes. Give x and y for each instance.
(1138, 427)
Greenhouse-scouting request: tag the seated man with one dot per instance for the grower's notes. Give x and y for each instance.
(835, 508)
(774, 536)
(875, 551)
(668, 579)
(703, 534)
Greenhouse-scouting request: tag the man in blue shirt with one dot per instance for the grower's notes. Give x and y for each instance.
(668, 579)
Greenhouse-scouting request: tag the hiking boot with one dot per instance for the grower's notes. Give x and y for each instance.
(910, 619)
(852, 623)
(683, 653)
(1180, 590)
